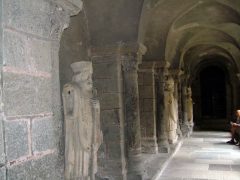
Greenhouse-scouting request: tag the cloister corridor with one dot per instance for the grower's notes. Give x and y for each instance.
(119, 89)
(204, 156)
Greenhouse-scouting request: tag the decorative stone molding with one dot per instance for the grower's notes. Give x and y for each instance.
(130, 64)
(60, 15)
(73, 7)
(176, 74)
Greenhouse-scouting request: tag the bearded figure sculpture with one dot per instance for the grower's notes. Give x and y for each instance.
(171, 111)
(82, 124)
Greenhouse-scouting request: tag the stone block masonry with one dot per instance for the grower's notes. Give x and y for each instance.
(30, 106)
(147, 96)
(108, 81)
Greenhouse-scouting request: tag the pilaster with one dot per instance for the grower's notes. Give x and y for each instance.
(147, 100)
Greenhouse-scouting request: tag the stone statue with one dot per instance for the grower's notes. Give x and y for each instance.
(171, 112)
(187, 125)
(189, 105)
(82, 124)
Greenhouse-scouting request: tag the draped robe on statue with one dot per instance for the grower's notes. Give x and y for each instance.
(83, 135)
(78, 132)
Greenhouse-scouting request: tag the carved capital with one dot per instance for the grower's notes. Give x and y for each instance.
(129, 65)
(73, 7)
(176, 74)
(60, 15)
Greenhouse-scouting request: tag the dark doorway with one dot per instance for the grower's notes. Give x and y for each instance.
(213, 93)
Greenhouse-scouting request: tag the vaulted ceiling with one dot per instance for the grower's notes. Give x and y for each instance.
(183, 32)
(188, 31)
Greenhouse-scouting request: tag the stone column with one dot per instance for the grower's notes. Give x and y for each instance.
(130, 62)
(162, 137)
(147, 98)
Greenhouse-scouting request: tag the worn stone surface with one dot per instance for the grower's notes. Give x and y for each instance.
(16, 137)
(3, 173)
(31, 54)
(34, 17)
(148, 110)
(35, 94)
(111, 155)
(44, 134)
(45, 168)
(82, 120)
(2, 153)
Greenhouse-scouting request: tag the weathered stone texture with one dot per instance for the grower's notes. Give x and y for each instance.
(16, 135)
(26, 52)
(31, 16)
(3, 173)
(110, 101)
(44, 134)
(106, 70)
(1, 33)
(49, 167)
(108, 81)
(147, 104)
(146, 92)
(33, 92)
(2, 153)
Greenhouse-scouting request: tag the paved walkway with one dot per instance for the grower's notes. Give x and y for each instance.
(205, 156)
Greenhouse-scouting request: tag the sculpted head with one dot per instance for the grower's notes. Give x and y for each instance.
(189, 91)
(169, 85)
(83, 74)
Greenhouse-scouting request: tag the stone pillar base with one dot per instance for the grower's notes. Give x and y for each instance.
(149, 145)
(187, 129)
(135, 167)
(173, 137)
(163, 147)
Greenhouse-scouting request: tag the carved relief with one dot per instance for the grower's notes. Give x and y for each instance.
(82, 124)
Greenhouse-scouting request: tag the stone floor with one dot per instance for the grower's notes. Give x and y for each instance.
(205, 156)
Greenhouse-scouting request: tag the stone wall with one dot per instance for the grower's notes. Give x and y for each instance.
(30, 123)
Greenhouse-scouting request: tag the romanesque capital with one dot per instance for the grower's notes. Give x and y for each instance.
(73, 7)
(60, 15)
(129, 64)
(131, 55)
(176, 74)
